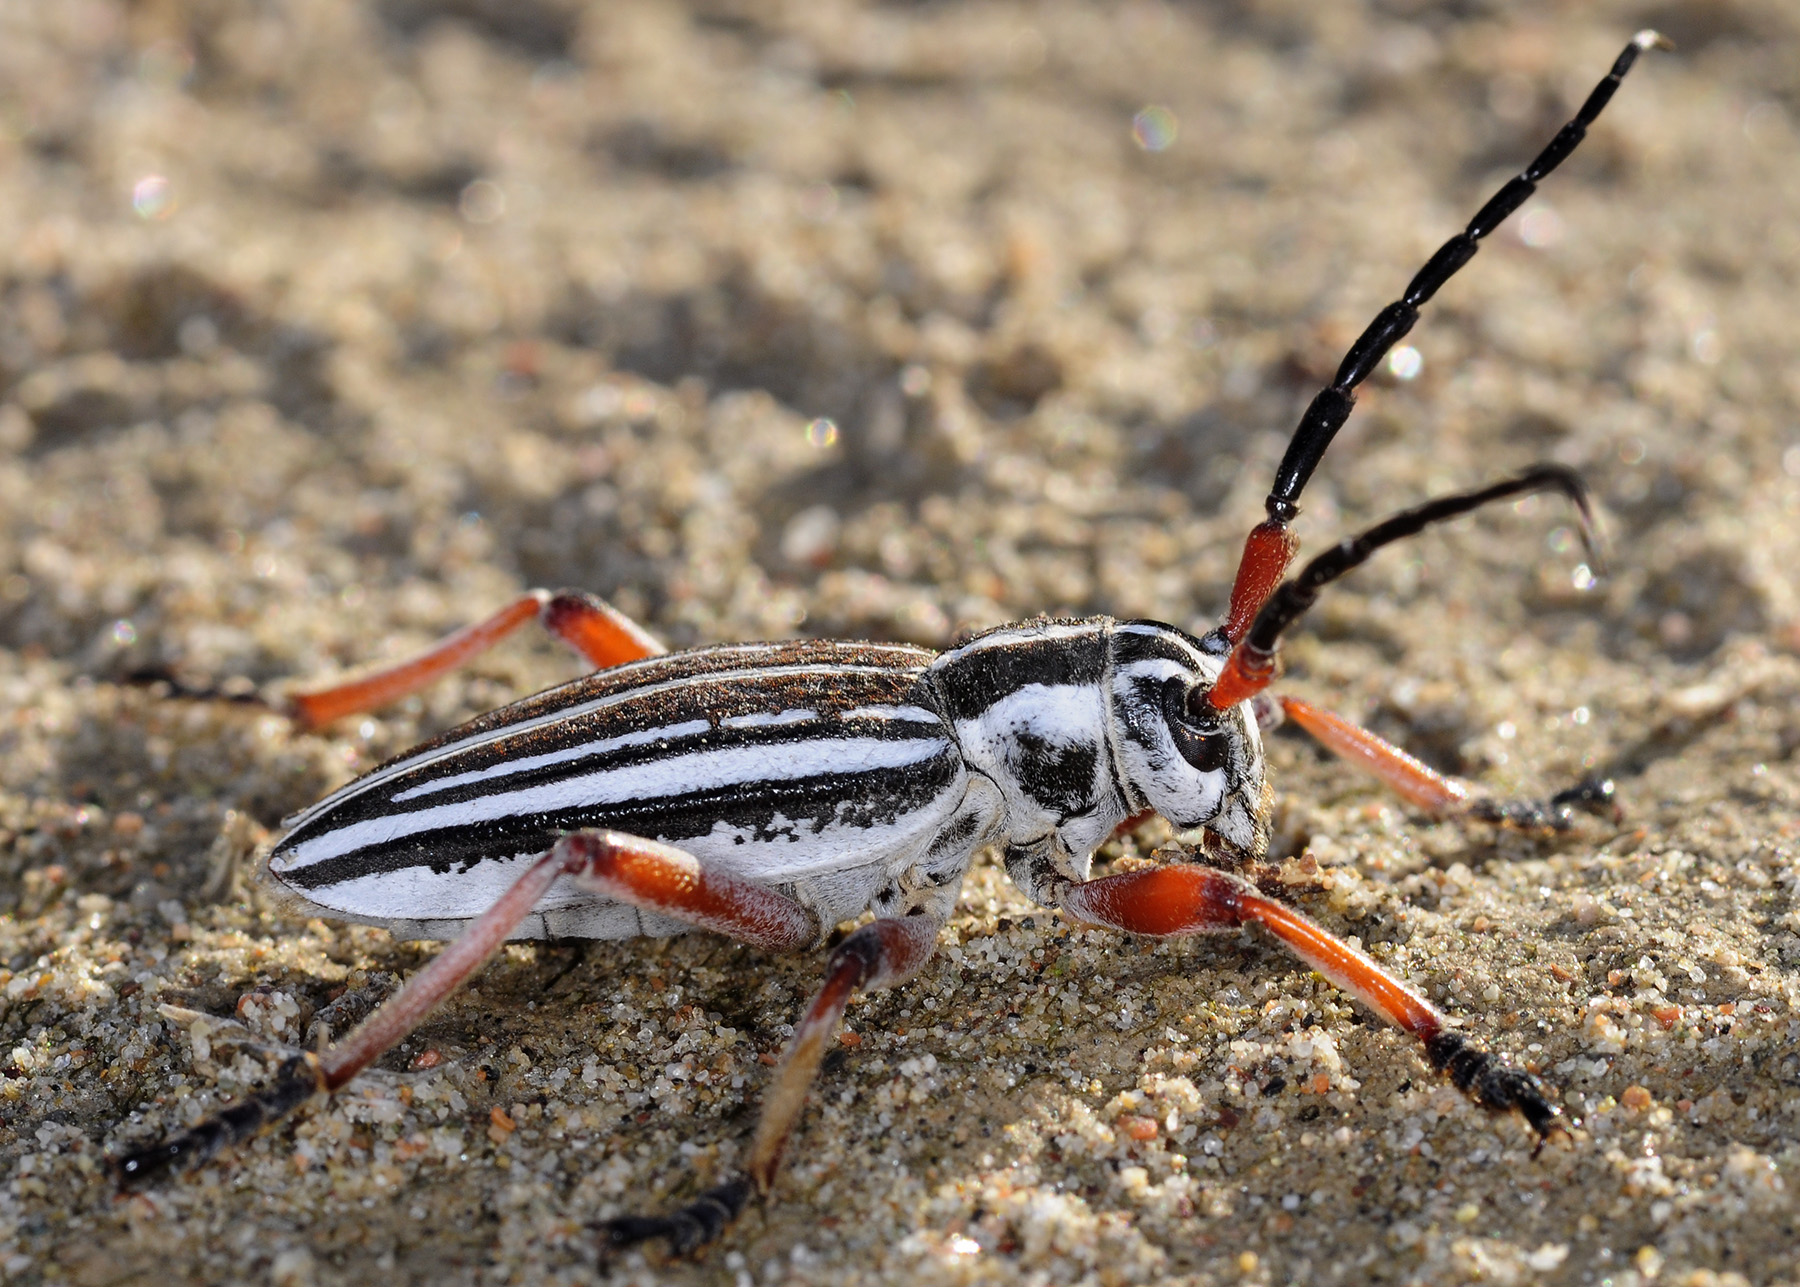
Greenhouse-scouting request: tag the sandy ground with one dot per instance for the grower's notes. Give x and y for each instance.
(325, 327)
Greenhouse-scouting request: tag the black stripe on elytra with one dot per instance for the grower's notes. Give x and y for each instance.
(509, 734)
(880, 665)
(767, 810)
(380, 802)
(974, 678)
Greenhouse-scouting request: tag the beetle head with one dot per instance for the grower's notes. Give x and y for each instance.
(1196, 766)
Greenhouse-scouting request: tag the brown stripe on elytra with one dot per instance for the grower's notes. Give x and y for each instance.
(403, 794)
(672, 667)
(715, 698)
(829, 693)
(661, 695)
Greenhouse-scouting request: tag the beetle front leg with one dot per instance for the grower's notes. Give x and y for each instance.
(1439, 794)
(590, 625)
(879, 955)
(1190, 899)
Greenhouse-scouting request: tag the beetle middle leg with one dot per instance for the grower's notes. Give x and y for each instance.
(881, 954)
(1187, 898)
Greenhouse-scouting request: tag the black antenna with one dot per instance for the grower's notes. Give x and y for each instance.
(1328, 411)
(1252, 662)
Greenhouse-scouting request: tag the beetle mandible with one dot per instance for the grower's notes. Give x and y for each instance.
(771, 791)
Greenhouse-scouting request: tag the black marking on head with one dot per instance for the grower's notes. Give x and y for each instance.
(1176, 702)
(1141, 719)
(1197, 770)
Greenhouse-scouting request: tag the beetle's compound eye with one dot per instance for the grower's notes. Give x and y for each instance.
(1199, 736)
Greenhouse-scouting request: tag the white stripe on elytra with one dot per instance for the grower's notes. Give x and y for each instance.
(900, 714)
(506, 768)
(413, 762)
(638, 783)
(849, 861)
(669, 733)
(768, 719)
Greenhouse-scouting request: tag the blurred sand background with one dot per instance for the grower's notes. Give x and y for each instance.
(326, 327)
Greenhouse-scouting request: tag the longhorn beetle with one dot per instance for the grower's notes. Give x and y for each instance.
(770, 791)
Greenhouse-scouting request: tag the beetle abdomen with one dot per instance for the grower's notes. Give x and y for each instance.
(773, 762)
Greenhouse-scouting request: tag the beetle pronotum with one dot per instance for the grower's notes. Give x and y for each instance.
(771, 791)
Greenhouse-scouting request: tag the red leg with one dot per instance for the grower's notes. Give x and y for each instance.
(1190, 899)
(640, 871)
(593, 627)
(879, 955)
(1444, 796)
(1419, 785)
(598, 631)
(662, 878)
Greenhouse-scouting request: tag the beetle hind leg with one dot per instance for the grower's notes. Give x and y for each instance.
(593, 627)
(635, 870)
(307, 1075)
(295, 1082)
